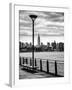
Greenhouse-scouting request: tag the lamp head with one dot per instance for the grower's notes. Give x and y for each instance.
(33, 17)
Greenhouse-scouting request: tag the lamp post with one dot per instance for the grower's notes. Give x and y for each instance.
(33, 17)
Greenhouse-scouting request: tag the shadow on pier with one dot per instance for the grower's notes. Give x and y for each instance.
(41, 69)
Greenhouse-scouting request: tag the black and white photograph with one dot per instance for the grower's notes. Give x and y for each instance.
(41, 44)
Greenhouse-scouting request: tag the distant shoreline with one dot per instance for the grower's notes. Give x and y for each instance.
(44, 55)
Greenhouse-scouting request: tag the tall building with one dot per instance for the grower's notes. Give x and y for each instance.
(38, 40)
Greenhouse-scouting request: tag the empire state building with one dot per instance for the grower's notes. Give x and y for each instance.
(38, 40)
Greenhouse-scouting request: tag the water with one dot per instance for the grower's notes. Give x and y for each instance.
(45, 55)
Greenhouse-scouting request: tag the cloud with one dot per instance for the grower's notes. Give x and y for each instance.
(46, 24)
(25, 33)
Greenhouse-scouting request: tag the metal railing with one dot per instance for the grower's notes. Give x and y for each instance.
(55, 67)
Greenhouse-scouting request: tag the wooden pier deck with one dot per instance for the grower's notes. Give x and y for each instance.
(24, 74)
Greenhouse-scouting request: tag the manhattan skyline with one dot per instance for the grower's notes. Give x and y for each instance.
(49, 25)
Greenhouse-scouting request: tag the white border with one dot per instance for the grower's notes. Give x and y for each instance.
(15, 48)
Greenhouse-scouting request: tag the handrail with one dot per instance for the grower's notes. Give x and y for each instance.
(50, 60)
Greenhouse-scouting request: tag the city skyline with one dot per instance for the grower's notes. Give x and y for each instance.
(39, 41)
(50, 26)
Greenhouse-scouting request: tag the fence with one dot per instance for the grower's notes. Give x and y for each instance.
(55, 67)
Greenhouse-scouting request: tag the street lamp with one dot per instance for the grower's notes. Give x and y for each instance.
(33, 17)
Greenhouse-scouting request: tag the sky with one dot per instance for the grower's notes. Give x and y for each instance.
(50, 26)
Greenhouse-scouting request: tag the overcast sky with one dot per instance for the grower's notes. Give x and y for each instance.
(50, 26)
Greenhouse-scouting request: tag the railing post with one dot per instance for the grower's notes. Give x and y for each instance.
(20, 60)
(26, 61)
(47, 66)
(55, 68)
(23, 60)
(40, 65)
(35, 62)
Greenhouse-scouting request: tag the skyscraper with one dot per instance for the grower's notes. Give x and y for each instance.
(38, 40)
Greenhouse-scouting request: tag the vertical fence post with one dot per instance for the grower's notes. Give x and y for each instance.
(55, 68)
(35, 62)
(26, 61)
(20, 60)
(23, 60)
(40, 65)
(47, 66)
